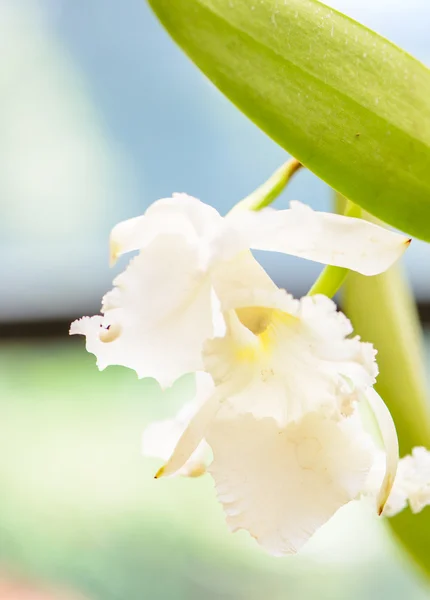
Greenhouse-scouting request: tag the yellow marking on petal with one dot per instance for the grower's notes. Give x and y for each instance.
(255, 318)
(114, 252)
(197, 471)
(388, 433)
(111, 334)
(384, 493)
(160, 472)
(268, 337)
(246, 353)
(266, 340)
(262, 322)
(279, 316)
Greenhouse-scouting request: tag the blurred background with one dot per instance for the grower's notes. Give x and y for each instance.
(101, 115)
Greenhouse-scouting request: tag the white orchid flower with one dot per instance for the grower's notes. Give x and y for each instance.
(414, 478)
(289, 443)
(194, 264)
(411, 485)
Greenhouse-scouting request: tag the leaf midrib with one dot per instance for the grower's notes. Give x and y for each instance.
(309, 73)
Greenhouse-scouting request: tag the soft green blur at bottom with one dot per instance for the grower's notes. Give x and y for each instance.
(80, 506)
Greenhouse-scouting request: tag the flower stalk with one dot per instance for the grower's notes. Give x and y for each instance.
(266, 193)
(332, 278)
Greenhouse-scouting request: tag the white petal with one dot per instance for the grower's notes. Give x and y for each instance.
(125, 237)
(282, 484)
(241, 281)
(412, 483)
(204, 219)
(191, 438)
(323, 237)
(161, 437)
(182, 215)
(391, 444)
(417, 475)
(302, 362)
(397, 500)
(159, 314)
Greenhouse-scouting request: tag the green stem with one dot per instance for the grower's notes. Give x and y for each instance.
(332, 278)
(329, 282)
(267, 192)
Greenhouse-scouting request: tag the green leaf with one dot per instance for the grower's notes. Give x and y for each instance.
(383, 311)
(348, 104)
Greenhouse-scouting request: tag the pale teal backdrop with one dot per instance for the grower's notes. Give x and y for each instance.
(101, 115)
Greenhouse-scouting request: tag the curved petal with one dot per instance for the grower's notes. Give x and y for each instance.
(161, 437)
(282, 484)
(242, 282)
(411, 485)
(322, 237)
(283, 365)
(191, 437)
(159, 315)
(125, 237)
(398, 498)
(179, 215)
(389, 437)
(415, 475)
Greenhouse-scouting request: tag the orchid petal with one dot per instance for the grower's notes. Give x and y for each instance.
(326, 238)
(179, 215)
(389, 437)
(284, 364)
(191, 437)
(157, 319)
(282, 484)
(161, 437)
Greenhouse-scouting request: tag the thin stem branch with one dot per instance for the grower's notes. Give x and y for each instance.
(332, 278)
(268, 192)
